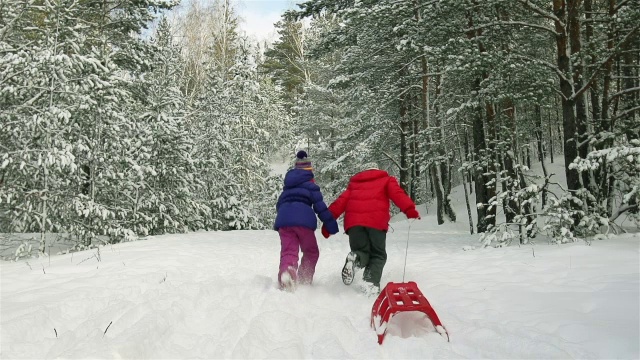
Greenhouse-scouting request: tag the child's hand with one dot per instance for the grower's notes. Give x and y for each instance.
(324, 232)
(413, 214)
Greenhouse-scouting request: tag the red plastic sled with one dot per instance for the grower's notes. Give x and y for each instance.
(397, 297)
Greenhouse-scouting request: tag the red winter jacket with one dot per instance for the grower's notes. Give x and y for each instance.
(366, 200)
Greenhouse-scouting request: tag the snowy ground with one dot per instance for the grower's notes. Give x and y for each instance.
(214, 295)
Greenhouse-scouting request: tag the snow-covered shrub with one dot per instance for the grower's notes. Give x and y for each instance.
(622, 164)
(522, 202)
(568, 218)
(499, 236)
(265, 207)
(592, 222)
(559, 220)
(24, 250)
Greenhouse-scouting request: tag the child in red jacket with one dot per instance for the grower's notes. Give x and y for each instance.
(365, 204)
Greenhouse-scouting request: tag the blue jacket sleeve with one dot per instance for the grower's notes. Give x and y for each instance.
(323, 212)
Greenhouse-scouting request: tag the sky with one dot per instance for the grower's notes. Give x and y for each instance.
(214, 295)
(260, 15)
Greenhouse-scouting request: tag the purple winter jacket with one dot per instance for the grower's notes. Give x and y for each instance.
(300, 201)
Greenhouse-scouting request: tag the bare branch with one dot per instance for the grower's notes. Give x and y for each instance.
(623, 92)
(545, 14)
(627, 112)
(105, 330)
(602, 63)
(392, 159)
(621, 211)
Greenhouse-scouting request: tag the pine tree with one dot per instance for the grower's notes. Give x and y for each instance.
(71, 159)
(168, 201)
(113, 149)
(46, 88)
(285, 59)
(239, 123)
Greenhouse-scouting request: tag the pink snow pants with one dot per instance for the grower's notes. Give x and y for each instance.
(293, 239)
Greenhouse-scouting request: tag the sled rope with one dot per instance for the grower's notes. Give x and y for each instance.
(406, 251)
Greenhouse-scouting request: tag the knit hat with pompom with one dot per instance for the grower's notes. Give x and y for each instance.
(303, 161)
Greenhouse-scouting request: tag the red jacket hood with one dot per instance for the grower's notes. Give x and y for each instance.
(368, 175)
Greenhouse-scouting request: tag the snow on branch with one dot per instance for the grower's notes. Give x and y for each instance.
(511, 23)
(544, 63)
(5, 29)
(621, 4)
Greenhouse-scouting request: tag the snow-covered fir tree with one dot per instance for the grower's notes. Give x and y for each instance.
(72, 137)
(238, 122)
(168, 199)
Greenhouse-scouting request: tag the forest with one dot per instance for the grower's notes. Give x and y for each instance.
(124, 119)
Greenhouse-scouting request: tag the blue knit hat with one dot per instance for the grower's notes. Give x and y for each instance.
(303, 161)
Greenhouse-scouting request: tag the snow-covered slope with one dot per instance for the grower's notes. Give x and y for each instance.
(213, 295)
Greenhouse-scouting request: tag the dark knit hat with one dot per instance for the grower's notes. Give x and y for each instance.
(303, 161)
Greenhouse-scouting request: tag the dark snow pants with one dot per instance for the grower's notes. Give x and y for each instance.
(370, 245)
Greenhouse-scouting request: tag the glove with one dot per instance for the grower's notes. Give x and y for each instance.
(413, 214)
(324, 232)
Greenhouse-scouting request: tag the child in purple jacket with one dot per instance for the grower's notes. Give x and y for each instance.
(296, 223)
